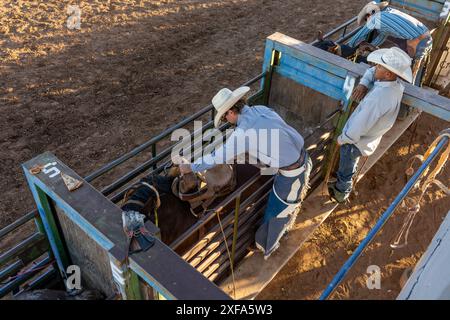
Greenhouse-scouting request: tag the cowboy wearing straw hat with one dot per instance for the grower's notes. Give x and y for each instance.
(387, 22)
(373, 117)
(282, 151)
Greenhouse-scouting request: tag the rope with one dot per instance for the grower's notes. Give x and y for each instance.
(414, 206)
(228, 252)
(155, 211)
(235, 228)
(158, 203)
(413, 134)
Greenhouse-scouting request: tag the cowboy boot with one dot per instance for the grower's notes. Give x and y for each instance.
(336, 195)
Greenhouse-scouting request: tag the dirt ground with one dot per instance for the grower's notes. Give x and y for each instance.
(313, 267)
(137, 66)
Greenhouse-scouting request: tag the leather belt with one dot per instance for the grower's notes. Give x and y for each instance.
(297, 164)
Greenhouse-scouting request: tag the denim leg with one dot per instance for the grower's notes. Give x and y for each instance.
(422, 51)
(349, 156)
(279, 215)
(423, 48)
(273, 208)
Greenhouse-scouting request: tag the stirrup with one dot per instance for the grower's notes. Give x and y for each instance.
(144, 239)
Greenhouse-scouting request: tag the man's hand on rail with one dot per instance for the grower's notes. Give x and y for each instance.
(359, 93)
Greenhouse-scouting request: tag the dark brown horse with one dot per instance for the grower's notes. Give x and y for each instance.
(152, 196)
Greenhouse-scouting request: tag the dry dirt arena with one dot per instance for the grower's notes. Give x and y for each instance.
(137, 66)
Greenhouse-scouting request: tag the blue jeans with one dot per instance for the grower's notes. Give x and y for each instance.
(423, 48)
(422, 51)
(281, 208)
(348, 162)
(285, 186)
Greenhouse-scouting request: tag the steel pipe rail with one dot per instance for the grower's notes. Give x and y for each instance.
(145, 166)
(195, 258)
(27, 244)
(28, 274)
(11, 269)
(337, 29)
(223, 260)
(220, 254)
(147, 144)
(19, 222)
(214, 233)
(219, 272)
(210, 254)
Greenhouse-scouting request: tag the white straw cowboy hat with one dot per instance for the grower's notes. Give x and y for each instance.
(394, 59)
(225, 99)
(371, 8)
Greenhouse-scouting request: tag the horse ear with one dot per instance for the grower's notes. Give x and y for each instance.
(320, 35)
(337, 50)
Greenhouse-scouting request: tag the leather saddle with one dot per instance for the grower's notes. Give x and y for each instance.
(202, 188)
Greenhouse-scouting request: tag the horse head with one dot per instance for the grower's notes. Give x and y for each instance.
(327, 45)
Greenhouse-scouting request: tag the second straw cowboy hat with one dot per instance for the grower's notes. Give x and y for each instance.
(225, 99)
(395, 60)
(371, 8)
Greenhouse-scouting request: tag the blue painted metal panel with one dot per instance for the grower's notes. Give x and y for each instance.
(427, 5)
(327, 63)
(310, 82)
(307, 70)
(319, 74)
(320, 64)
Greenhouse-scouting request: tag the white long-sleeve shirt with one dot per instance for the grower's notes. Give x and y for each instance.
(368, 78)
(375, 114)
(277, 145)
